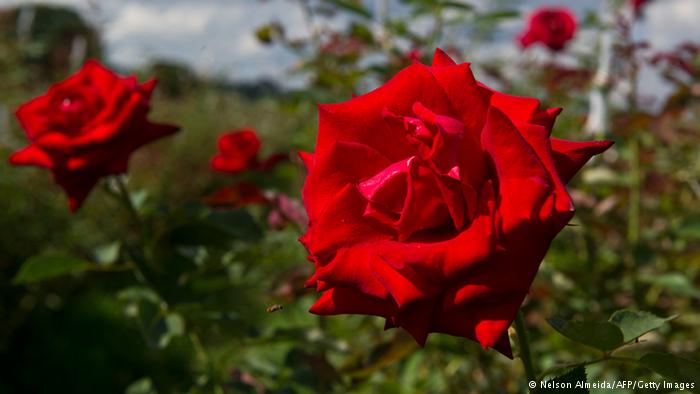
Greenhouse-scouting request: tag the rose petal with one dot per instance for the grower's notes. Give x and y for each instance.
(570, 156)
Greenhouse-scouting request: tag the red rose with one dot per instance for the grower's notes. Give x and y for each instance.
(637, 6)
(432, 201)
(550, 26)
(86, 127)
(238, 151)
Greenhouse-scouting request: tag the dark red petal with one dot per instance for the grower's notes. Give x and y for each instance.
(343, 300)
(441, 59)
(417, 318)
(341, 223)
(515, 108)
(33, 116)
(469, 103)
(77, 187)
(33, 156)
(362, 118)
(561, 207)
(570, 156)
(344, 163)
(403, 284)
(352, 267)
(523, 184)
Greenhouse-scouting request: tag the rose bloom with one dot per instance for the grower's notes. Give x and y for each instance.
(552, 27)
(432, 201)
(238, 152)
(637, 6)
(86, 127)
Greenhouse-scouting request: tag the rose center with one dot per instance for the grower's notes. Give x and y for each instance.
(432, 190)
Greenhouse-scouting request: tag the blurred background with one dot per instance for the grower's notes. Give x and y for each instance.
(227, 64)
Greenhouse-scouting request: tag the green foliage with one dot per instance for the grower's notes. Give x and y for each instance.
(47, 266)
(673, 367)
(570, 378)
(604, 336)
(634, 324)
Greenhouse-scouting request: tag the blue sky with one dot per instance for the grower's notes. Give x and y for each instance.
(215, 36)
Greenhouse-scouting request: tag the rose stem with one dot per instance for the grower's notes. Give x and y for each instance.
(525, 348)
(138, 253)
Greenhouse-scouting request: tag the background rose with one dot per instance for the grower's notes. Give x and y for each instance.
(432, 201)
(553, 27)
(238, 152)
(86, 127)
(638, 6)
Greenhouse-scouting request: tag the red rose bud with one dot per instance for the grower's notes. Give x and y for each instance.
(432, 201)
(86, 127)
(552, 27)
(238, 151)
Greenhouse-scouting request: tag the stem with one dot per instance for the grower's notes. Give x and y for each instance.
(125, 198)
(635, 193)
(525, 349)
(137, 251)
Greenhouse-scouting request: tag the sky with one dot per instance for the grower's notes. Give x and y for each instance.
(215, 37)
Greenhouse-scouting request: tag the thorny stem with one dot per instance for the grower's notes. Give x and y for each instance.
(524, 344)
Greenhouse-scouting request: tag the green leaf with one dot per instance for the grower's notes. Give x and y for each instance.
(141, 386)
(238, 224)
(174, 327)
(497, 16)
(353, 6)
(637, 323)
(107, 254)
(670, 366)
(604, 336)
(690, 229)
(675, 282)
(49, 265)
(576, 378)
(218, 229)
(455, 4)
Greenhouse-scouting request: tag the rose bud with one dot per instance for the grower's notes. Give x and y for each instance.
(432, 201)
(238, 152)
(86, 127)
(552, 27)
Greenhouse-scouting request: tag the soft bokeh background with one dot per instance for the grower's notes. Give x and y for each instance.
(265, 64)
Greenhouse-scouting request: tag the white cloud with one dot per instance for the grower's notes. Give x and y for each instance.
(670, 22)
(178, 20)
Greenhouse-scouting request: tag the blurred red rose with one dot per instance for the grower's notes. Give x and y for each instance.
(432, 201)
(637, 6)
(238, 151)
(549, 26)
(86, 127)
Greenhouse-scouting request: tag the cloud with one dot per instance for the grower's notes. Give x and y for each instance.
(670, 22)
(181, 20)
